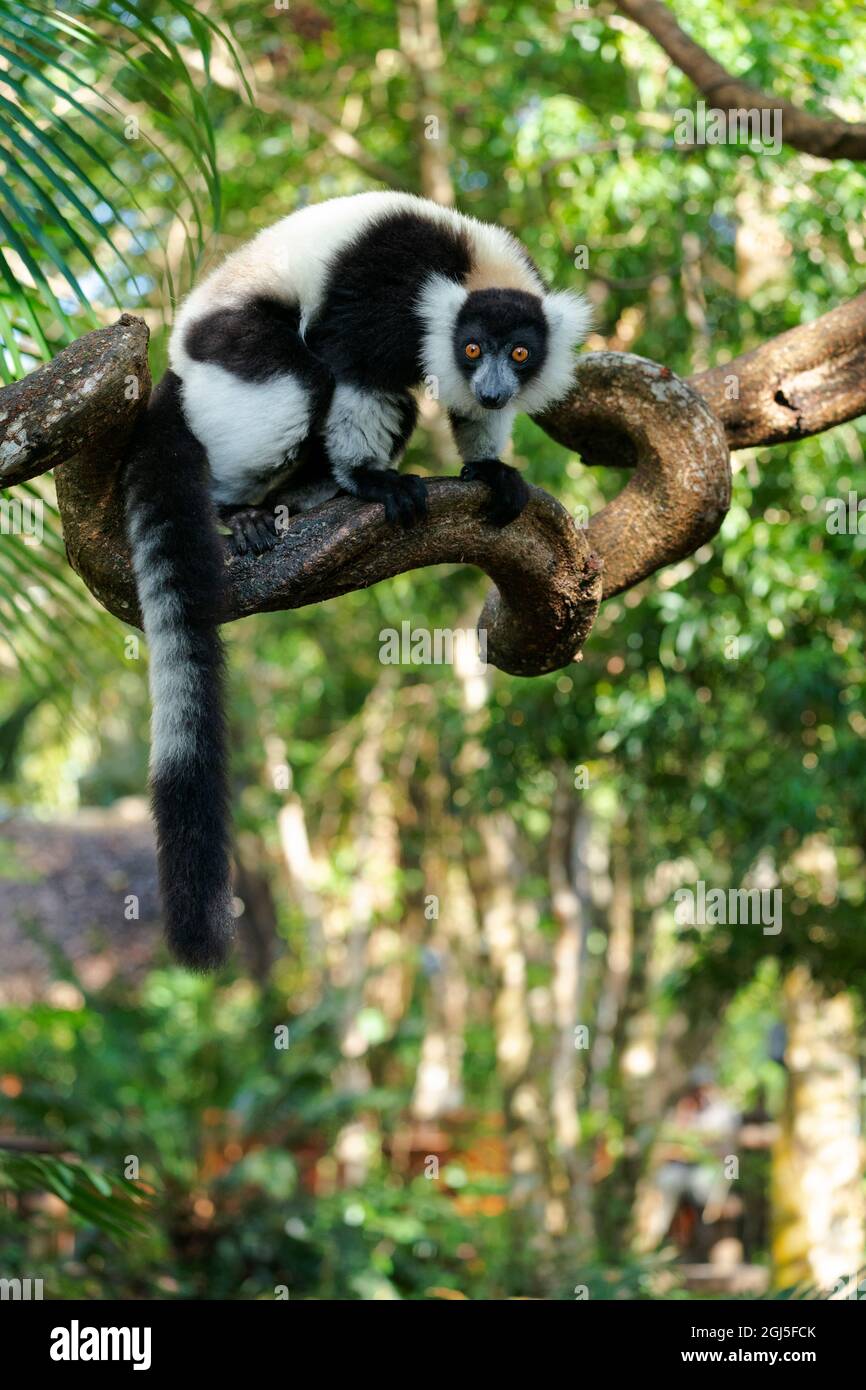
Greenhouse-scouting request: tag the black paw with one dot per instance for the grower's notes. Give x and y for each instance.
(510, 493)
(253, 530)
(403, 495)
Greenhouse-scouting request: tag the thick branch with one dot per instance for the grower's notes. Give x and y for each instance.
(826, 136)
(680, 489)
(548, 579)
(89, 394)
(548, 584)
(801, 383)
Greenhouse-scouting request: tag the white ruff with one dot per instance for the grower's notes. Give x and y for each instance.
(568, 316)
(439, 304)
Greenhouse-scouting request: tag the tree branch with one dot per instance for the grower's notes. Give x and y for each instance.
(826, 136)
(800, 383)
(680, 489)
(549, 575)
(89, 395)
(548, 578)
(548, 583)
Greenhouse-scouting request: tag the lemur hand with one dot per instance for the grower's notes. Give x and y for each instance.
(510, 492)
(403, 495)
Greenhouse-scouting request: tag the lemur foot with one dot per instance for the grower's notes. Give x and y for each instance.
(510, 492)
(253, 530)
(403, 495)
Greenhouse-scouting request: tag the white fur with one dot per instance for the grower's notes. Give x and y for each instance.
(360, 429)
(175, 678)
(290, 260)
(439, 304)
(568, 318)
(246, 427)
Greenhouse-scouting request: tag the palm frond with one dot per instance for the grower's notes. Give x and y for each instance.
(109, 187)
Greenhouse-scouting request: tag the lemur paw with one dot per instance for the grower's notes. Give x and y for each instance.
(510, 492)
(403, 495)
(253, 531)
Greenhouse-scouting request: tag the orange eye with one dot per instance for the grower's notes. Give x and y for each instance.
(519, 354)
(473, 351)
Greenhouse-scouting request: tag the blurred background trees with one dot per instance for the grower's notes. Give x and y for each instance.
(467, 1049)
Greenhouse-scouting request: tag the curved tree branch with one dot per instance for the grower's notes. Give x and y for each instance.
(680, 489)
(826, 136)
(549, 574)
(548, 578)
(802, 382)
(78, 412)
(548, 583)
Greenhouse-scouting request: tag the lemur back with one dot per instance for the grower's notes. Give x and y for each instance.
(336, 283)
(292, 368)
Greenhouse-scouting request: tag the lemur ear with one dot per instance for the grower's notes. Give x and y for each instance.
(569, 317)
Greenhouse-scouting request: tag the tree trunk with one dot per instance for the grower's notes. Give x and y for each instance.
(817, 1181)
(569, 1206)
(449, 911)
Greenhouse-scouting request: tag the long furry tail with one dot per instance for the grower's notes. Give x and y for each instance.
(178, 567)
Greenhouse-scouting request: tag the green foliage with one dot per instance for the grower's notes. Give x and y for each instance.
(228, 1130)
(106, 106)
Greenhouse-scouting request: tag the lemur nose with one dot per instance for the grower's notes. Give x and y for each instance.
(491, 402)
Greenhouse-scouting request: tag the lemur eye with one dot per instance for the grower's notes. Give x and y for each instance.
(519, 354)
(472, 351)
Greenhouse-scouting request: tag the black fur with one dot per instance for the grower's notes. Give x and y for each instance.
(499, 320)
(166, 495)
(509, 493)
(367, 328)
(403, 495)
(256, 341)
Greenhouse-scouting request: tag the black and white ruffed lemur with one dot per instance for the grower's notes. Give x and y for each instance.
(291, 369)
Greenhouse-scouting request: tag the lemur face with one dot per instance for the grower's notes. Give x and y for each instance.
(500, 344)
